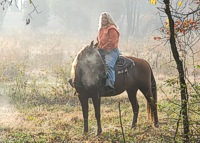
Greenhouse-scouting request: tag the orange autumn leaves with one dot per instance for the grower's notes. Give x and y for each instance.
(186, 25)
(183, 25)
(180, 27)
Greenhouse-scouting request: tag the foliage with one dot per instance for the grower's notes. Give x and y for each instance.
(186, 24)
(48, 111)
(51, 117)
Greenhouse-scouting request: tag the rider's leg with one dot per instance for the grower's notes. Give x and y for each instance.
(110, 60)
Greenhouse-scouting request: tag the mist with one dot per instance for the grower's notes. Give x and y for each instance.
(73, 17)
(57, 29)
(40, 45)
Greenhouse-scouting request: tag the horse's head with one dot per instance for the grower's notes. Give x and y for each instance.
(87, 66)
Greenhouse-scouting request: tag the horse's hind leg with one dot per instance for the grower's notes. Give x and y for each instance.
(133, 99)
(152, 103)
(84, 103)
(96, 102)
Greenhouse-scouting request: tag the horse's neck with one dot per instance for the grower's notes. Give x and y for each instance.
(89, 70)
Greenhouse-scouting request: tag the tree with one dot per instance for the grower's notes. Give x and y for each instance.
(182, 31)
(138, 18)
(132, 16)
(37, 13)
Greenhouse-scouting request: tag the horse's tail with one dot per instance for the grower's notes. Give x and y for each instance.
(154, 94)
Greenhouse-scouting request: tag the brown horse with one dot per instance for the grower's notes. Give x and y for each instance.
(88, 74)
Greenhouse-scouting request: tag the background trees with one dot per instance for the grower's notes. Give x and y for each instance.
(133, 17)
(82, 16)
(138, 17)
(174, 56)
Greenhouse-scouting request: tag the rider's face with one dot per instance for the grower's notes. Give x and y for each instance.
(104, 20)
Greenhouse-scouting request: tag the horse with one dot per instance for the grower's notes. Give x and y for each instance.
(88, 77)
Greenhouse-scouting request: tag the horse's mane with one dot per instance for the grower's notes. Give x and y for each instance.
(87, 61)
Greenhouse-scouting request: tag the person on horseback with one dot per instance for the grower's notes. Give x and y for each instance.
(108, 39)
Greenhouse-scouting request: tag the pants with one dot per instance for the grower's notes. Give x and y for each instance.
(110, 58)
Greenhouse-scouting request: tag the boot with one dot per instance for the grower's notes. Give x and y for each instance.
(109, 85)
(70, 82)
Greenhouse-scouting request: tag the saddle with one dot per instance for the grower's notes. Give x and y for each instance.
(123, 64)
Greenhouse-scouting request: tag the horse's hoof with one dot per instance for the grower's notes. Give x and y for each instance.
(99, 132)
(134, 125)
(156, 125)
(85, 131)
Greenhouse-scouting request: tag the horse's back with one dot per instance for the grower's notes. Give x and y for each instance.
(140, 64)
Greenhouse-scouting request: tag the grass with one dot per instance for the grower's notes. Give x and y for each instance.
(55, 118)
(47, 110)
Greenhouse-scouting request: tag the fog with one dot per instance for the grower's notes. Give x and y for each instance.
(39, 43)
(53, 31)
(80, 18)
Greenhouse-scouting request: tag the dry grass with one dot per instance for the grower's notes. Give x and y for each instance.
(34, 71)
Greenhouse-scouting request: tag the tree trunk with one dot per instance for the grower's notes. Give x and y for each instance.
(132, 13)
(129, 7)
(179, 63)
(137, 16)
(133, 16)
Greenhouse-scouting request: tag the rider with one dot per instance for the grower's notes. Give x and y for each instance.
(108, 39)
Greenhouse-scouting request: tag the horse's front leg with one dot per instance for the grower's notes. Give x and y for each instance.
(96, 102)
(84, 103)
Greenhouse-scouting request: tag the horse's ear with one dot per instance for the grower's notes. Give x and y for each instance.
(91, 44)
(95, 45)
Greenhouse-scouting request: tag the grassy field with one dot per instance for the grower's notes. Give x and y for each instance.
(38, 105)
